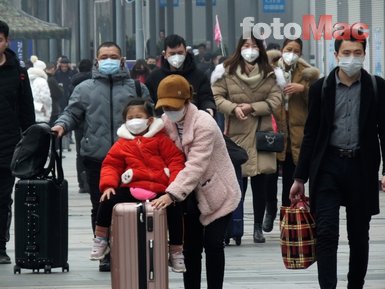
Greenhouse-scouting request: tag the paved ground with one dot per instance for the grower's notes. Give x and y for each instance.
(249, 266)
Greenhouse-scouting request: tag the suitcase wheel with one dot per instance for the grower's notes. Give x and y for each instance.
(47, 269)
(66, 268)
(16, 269)
(238, 241)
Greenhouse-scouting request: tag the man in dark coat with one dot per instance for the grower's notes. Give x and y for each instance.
(176, 60)
(340, 154)
(16, 114)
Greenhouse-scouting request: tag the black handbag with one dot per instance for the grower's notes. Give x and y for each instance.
(269, 141)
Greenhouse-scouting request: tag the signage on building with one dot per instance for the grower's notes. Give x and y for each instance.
(163, 3)
(273, 6)
(203, 2)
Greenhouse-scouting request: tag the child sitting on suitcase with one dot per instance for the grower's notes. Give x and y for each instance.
(140, 166)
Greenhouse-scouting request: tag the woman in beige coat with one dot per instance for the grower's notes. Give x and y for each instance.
(294, 75)
(245, 91)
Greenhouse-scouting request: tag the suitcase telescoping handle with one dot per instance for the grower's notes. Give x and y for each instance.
(151, 273)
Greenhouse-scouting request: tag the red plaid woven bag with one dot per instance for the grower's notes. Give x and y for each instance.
(298, 235)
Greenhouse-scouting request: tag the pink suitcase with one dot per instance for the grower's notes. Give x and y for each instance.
(139, 254)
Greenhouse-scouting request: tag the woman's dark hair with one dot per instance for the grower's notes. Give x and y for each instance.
(287, 40)
(236, 58)
(138, 64)
(147, 106)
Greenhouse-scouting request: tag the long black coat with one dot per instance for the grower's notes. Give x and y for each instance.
(319, 126)
(202, 97)
(16, 106)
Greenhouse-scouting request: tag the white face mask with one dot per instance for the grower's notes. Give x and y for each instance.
(176, 60)
(137, 125)
(250, 54)
(290, 58)
(175, 115)
(351, 65)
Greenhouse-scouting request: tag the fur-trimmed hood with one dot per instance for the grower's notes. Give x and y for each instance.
(218, 73)
(156, 126)
(309, 73)
(34, 73)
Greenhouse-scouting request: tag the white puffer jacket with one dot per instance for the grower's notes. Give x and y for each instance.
(41, 94)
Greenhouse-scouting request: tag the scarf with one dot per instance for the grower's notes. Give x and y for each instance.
(253, 79)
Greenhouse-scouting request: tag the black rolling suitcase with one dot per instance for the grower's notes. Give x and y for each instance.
(41, 218)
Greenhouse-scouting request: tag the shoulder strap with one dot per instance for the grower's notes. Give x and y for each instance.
(138, 88)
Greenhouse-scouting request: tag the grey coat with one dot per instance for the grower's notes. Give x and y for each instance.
(98, 104)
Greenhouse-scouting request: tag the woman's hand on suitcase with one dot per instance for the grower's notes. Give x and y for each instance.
(162, 202)
(107, 194)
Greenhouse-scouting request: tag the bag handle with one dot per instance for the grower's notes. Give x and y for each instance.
(55, 161)
(301, 203)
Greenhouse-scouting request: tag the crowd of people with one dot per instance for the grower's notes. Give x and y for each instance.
(176, 108)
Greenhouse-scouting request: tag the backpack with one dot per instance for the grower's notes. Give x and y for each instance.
(31, 152)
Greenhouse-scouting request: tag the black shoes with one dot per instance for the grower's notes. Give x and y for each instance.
(258, 234)
(105, 265)
(268, 223)
(4, 258)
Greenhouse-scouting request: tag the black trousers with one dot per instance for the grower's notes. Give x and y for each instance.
(79, 159)
(197, 237)
(258, 186)
(174, 214)
(339, 184)
(92, 168)
(6, 185)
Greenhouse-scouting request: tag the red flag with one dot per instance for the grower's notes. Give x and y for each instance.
(217, 32)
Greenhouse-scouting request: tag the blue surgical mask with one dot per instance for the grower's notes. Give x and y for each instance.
(109, 66)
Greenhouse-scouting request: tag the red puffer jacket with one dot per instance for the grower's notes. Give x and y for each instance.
(153, 158)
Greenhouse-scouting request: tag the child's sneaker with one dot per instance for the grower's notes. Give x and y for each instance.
(100, 249)
(176, 262)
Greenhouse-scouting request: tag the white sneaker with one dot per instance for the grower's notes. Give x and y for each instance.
(100, 249)
(176, 262)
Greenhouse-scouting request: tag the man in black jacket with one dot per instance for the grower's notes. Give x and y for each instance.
(16, 114)
(176, 60)
(340, 155)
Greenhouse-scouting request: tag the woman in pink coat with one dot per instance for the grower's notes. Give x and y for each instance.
(208, 182)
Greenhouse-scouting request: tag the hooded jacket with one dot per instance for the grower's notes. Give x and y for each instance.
(202, 94)
(153, 158)
(16, 106)
(41, 94)
(98, 104)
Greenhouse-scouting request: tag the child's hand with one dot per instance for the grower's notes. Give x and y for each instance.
(162, 202)
(127, 176)
(107, 194)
